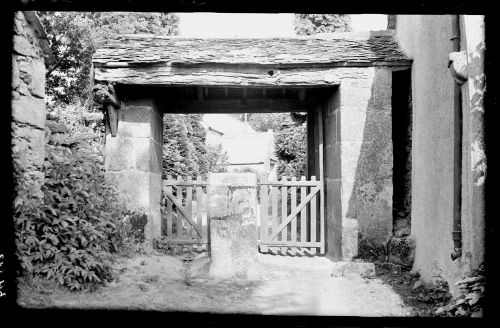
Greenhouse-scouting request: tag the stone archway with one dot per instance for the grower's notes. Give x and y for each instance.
(343, 82)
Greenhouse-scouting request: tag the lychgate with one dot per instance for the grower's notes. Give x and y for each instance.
(345, 84)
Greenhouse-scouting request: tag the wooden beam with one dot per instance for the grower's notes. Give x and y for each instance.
(205, 92)
(302, 94)
(199, 91)
(235, 106)
(168, 76)
(264, 92)
(322, 179)
(245, 94)
(226, 92)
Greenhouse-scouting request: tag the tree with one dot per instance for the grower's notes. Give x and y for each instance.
(74, 37)
(290, 143)
(290, 139)
(310, 24)
(178, 149)
(184, 150)
(217, 159)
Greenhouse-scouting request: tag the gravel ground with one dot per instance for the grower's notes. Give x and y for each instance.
(289, 285)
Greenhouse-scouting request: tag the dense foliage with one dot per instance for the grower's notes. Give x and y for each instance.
(290, 140)
(471, 297)
(184, 150)
(290, 143)
(74, 37)
(217, 159)
(68, 236)
(310, 24)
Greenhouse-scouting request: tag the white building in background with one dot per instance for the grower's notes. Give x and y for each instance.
(246, 148)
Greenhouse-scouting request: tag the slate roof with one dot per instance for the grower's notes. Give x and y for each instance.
(226, 124)
(335, 48)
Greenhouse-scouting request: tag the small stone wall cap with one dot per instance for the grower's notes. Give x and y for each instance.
(56, 127)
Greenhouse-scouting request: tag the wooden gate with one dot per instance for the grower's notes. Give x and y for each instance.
(186, 205)
(292, 216)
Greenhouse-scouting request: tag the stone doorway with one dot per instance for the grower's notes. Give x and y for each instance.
(348, 101)
(193, 233)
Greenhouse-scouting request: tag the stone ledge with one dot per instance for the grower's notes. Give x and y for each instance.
(353, 269)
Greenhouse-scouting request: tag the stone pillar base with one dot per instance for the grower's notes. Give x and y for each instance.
(233, 226)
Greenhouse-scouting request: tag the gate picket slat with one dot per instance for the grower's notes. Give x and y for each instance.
(182, 210)
(189, 208)
(169, 210)
(300, 207)
(180, 230)
(199, 207)
(264, 225)
(293, 204)
(303, 213)
(284, 200)
(312, 219)
(274, 207)
(206, 233)
(287, 235)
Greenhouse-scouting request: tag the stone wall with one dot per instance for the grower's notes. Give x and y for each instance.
(426, 39)
(28, 106)
(366, 152)
(133, 159)
(358, 160)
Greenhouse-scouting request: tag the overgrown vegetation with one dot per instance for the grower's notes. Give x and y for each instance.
(74, 37)
(470, 301)
(310, 24)
(290, 140)
(184, 150)
(68, 237)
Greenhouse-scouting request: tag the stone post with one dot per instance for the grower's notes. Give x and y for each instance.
(133, 160)
(233, 225)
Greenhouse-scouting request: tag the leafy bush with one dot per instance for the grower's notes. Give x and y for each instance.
(131, 232)
(291, 150)
(217, 159)
(470, 301)
(69, 235)
(290, 140)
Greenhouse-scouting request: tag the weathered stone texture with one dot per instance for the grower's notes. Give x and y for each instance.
(119, 153)
(29, 110)
(133, 160)
(366, 152)
(233, 225)
(401, 250)
(28, 147)
(28, 106)
(350, 228)
(55, 127)
(348, 269)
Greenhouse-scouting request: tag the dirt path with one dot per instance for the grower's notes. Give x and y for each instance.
(288, 286)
